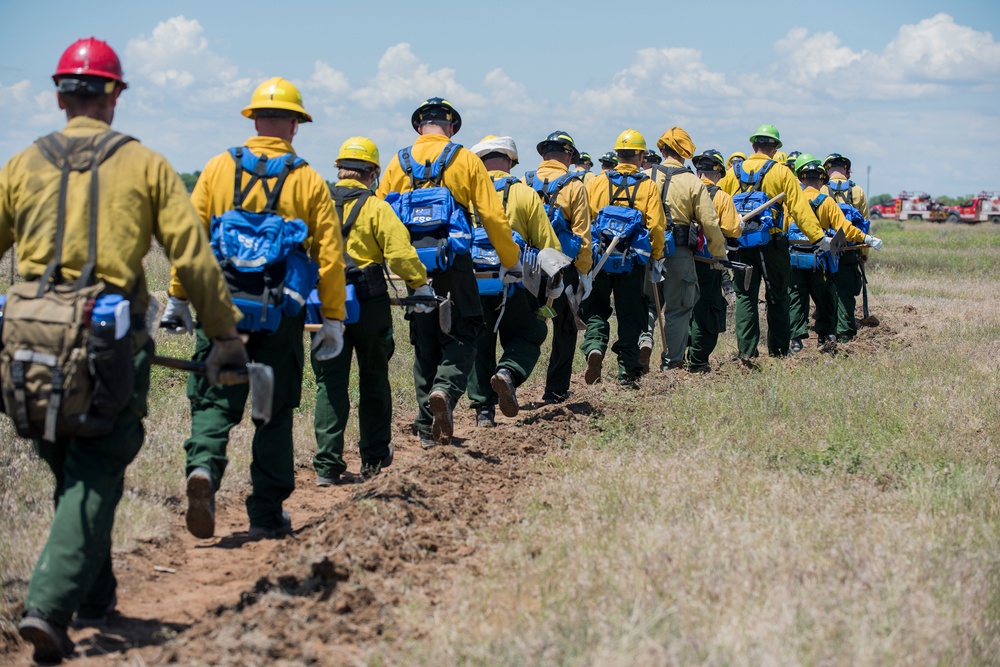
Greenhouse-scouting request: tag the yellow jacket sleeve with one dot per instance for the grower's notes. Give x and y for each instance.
(831, 217)
(6, 212)
(781, 180)
(729, 219)
(527, 217)
(705, 214)
(394, 240)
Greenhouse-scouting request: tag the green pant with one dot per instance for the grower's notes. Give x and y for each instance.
(564, 333)
(521, 335)
(849, 284)
(444, 361)
(370, 338)
(778, 267)
(818, 285)
(629, 308)
(215, 410)
(708, 318)
(73, 573)
(678, 296)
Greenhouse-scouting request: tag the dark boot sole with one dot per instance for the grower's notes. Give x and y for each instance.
(47, 649)
(200, 511)
(506, 396)
(442, 427)
(594, 364)
(645, 352)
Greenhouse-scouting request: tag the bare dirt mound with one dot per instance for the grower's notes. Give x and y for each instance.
(359, 551)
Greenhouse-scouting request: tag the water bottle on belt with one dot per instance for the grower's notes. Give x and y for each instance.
(110, 319)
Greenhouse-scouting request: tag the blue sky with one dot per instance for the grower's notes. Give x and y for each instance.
(910, 88)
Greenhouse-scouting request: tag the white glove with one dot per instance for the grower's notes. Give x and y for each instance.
(177, 316)
(587, 283)
(329, 340)
(824, 243)
(512, 275)
(874, 241)
(656, 271)
(426, 292)
(554, 289)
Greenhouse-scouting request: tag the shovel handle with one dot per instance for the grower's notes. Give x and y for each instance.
(769, 203)
(226, 375)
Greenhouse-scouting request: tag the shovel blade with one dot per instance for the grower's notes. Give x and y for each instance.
(531, 278)
(261, 378)
(747, 277)
(551, 261)
(838, 243)
(444, 315)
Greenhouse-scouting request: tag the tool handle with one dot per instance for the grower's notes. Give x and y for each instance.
(770, 202)
(607, 253)
(226, 375)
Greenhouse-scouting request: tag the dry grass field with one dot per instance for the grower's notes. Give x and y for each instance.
(823, 510)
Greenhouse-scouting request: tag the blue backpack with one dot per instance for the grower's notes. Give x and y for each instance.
(625, 222)
(438, 225)
(549, 191)
(841, 192)
(809, 257)
(756, 231)
(260, 252)
(486, 259)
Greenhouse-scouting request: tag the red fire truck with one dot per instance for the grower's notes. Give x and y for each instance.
(984, 206)
(911, 205)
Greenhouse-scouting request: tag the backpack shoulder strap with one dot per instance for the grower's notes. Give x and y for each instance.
(291, 163)
(626, 187)
(446, 158)
(70, 154)
(712, 189)
(340, 196)
(817, 201)
(503, 184)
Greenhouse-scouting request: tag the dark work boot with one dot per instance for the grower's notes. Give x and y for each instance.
(443, 426)
(795, 345)
(486, 417)
(201, 504)
(51, 641)
(503, 385)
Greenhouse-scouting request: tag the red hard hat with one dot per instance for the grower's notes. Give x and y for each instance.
(90, 57)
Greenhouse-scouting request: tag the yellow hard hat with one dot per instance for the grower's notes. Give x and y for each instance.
(358, 153)
(737, 154)
(781, 157)
(630, 140)
(277, 93)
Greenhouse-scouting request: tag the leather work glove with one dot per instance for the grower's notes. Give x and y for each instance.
(329, 340)
(587, 283)
(226, 353)
(513, 274)
(177, 316)
(423, 291)
(874, 241)
(656, 271)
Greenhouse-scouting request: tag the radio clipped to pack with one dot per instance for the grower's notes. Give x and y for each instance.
(66, 361)
(260, 252)
(624, 223)
(438, 225)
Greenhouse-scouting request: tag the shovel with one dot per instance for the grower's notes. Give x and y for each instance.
(552, 262)
(735, 266)
(259, 376)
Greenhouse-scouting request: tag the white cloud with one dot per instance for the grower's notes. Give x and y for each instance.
(938, 49)
(328, 80)
(805, 59)
(401, 76)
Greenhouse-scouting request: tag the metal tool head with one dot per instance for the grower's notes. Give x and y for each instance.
(261, 379)
(551, 261)
(838, 242)
(531, 278)
(444, 315)
(574, 297)
(747, 277)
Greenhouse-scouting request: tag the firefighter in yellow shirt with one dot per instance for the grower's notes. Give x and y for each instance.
(443, 361)
(769, 261)
(584, 163)
(521, 332)
(372, 235)
(139, 197)
(625, 187)
(708, 319)
(277, 111)
(559, 188)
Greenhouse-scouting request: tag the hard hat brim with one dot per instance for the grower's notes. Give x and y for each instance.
(274, 104)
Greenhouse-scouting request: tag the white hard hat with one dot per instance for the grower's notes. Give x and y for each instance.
(493, 144)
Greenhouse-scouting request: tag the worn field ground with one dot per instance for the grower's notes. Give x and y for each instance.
(824, 510)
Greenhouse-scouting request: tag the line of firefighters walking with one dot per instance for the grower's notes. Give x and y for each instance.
(265, 244)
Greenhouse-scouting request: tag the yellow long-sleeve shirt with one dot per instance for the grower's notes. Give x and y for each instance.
(526, 214)
(689, 200)
(469, 184)
(378, 235)
(141, 197)
(647, 200)
(855, 196)
(572, 199)
(729, 219)
(779, 180)
(305, 195)
(831, 217)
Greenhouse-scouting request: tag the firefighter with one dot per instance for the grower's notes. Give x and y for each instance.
(608, 161)
(520, 330)
(649, 160)
(708, 319)
(584, 163)
(688, 208)
(140, 197)
(735, 160)
(771, 259)
(442, 362)
(277, 112)
(818, 281)
(372, 235)
(629, 302)
(850, 277)
(556, 151)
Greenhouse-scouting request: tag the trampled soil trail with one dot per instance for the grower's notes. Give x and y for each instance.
(358, 552)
